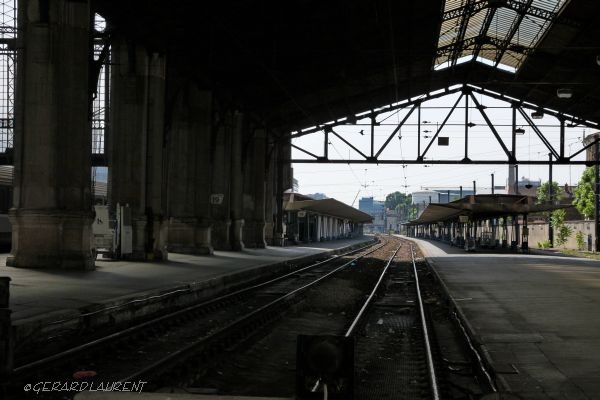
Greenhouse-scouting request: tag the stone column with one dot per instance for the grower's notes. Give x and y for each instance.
(221, 181)
(270, 195)
(189, 172)
(254, 191)
(284, 182)
(319, 227)
(236, 193)
(52, 214)
(135, 144)
(157, 225)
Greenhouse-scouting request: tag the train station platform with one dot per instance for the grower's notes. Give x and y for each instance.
(535, 318)
(44, 301)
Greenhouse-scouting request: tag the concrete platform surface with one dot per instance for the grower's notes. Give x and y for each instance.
(38, 292)
(536, 318)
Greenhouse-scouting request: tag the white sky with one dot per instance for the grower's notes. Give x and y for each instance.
(343, 181)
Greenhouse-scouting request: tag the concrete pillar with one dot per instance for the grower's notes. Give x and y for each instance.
(189, 173)
(284, 181)
(156, 166)
(221, 180)
(271, 195)
(254, 190)
(237, 189)
(52, 214)
(319, 227)
(135, 144)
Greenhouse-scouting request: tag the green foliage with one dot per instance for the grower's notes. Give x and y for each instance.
(543, 192)
(562, 232)
(580, 238)
(402, 203)
(584, 193)
(544, 245)
(393, 200)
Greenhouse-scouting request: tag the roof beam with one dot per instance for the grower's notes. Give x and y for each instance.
(469, 9)
(464, 22)
(511, 34)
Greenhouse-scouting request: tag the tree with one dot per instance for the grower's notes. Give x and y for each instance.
(543, 192)
(557, 220)
(402, 203)
(584, 193)
(393, 200)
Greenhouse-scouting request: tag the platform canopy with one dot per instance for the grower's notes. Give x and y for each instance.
(330, 207)
(478, 207)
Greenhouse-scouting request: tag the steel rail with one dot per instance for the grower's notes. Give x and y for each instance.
(435, 392)
(363, 308)
(187, 351)
(367, 303)
(23, 369)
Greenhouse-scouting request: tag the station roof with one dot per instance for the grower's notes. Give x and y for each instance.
(302, 63)
(330, 207)
(483, 206)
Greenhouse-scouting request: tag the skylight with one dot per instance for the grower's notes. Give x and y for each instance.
(499, 33)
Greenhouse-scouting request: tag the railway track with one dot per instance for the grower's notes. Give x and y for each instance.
(396, 350)
(185, 337)
(243, 342)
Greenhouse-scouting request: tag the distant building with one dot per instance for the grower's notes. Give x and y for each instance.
(424, 197)
(376, 209)
(318, 196)
(370, 205)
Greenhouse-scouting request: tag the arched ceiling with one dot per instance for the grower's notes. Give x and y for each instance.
(300, 63)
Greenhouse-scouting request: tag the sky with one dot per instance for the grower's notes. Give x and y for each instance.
(350, 182)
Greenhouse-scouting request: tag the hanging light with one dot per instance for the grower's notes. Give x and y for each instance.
(519, 131)
(564, 93)
(539, 114)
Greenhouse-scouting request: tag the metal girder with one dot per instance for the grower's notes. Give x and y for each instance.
(494, 131)
(482, 32)
(511, 33)
(583, 149)
(476, 41)
(306, 152)
(515, 5)
(527, 8)
(374, 113)
(421, 156)
(396, 130)
(457, 12)
(520, 103)
(464, 22)
(539, 133)
(348, 143)
(466, 92)
(442, 162)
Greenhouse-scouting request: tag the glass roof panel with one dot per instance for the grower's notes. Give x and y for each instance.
(515, 28)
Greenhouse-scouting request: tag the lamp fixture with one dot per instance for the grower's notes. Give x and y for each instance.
(598, 59)
(519, 131)
(564, 93)
(539, 114)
